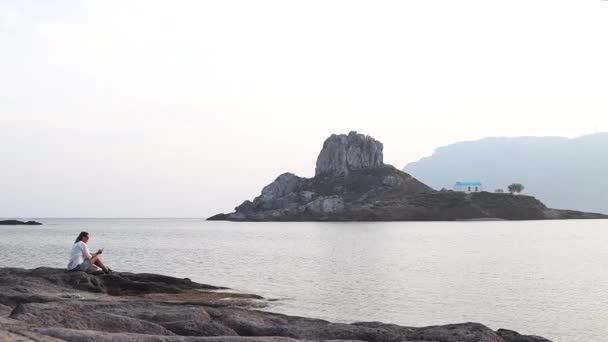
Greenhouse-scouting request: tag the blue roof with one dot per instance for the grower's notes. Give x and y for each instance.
(468, 183)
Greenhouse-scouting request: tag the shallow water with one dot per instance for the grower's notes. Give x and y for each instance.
(547, 278)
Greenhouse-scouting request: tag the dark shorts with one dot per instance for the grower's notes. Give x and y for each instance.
(82, 267)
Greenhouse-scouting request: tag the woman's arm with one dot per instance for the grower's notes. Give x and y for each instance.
(86, 253)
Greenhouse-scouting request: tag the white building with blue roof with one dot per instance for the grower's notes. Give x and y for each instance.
(468, 187)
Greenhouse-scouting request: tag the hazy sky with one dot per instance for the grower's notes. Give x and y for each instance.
(186, 108)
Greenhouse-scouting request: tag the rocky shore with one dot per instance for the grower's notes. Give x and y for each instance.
(47, 304)
(352, 183)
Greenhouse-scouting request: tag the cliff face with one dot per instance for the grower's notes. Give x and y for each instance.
(342, 154)
(352, 183)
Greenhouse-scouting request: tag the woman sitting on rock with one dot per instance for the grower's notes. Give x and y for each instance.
(80, 258)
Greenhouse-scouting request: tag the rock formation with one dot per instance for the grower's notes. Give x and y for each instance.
(342, 154)
(352, 183)
(46, 304)
(17, 222)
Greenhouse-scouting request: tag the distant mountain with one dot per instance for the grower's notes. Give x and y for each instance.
(562, 172)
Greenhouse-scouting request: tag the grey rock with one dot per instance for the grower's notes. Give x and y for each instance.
(467, 332)
(307, 196)
(255, 323)
(513, 336)
(391, 181)
(159, 313)
(82, 316)
(199, 328)
(187, 312)
(342, 154)
(8, 336)
(245, 207)
(326, 205)
(5, 310)
(25, 336)
(19, 223)
(284, 185)
(32, 286)
(71, 335)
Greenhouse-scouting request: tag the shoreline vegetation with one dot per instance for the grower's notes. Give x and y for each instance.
(352, 183)
(47, 304)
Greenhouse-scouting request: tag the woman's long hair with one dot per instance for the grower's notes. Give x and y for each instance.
(80, 236)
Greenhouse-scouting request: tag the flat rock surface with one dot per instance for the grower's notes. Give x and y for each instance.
(47, 304)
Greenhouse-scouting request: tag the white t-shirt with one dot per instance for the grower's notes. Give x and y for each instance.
(79, 252)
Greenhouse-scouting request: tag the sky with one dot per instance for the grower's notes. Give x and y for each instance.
(187, 108)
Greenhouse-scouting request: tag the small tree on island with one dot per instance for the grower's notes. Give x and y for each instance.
(515, 187)
(499, 191)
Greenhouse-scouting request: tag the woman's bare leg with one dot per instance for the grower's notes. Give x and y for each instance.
(97, 261)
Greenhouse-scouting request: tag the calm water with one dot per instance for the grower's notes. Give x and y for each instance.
(548, 278)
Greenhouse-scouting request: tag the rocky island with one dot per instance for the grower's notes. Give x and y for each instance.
(352, 183)
(19, 223)
(51, 305)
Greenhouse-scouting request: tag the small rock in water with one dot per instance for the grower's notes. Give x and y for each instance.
(17, 222)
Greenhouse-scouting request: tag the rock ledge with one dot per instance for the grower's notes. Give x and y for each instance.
(46, 304)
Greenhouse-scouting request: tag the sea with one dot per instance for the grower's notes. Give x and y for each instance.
(546, 278)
